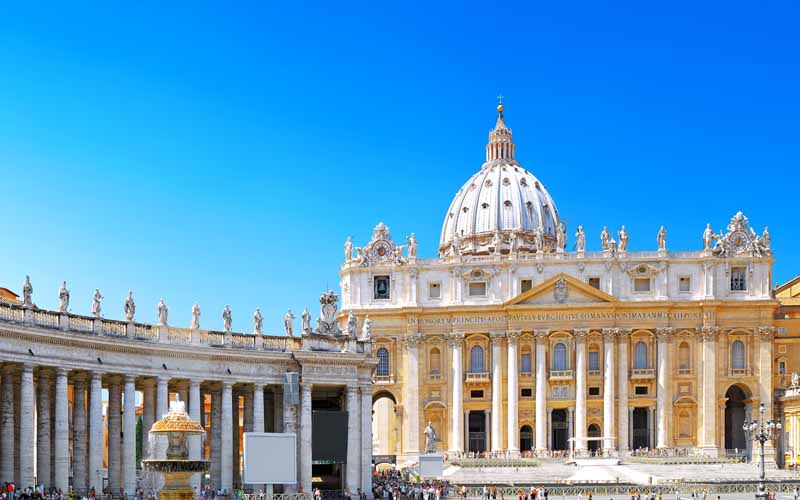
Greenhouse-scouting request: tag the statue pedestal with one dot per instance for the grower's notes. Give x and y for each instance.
(431, 465)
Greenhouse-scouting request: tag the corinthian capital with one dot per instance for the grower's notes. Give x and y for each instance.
(412, 340)
(581, 333)
(709, 333)
(663, 333)
(454, 339)
(513, 336)
(541, 335)
(497, 337)
(766, 333)
(609, 333)
(624, 333)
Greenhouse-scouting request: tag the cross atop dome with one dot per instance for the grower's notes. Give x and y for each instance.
(501, 145)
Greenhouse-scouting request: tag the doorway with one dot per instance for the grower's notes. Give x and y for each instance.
(593, 445)
(735, 409)
(476, 430)
(558, 424)
(526, 438)
(641, 429)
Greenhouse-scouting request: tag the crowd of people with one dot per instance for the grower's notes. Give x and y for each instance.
(392, 485)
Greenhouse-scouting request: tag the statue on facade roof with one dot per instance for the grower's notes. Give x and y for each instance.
(604, 237)
(348, 249)
(96, 298)
(765, 239)
(708, 238)
(163, 312)
(288, 323)
(795, 380)
(580, 239)
(305, 320)
(227, 318)
(561, 237)
(129, 308)
(455, 245)
(538, 240)
(623, 239)
(352, 325)
(366, 330)
(27, 292)
(63, 298)
(195, 317)
(662, 239)
(327, 323)
(497, 242)
(412, 246)
(258, 321)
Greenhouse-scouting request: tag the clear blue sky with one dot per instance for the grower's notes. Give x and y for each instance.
(222, 156)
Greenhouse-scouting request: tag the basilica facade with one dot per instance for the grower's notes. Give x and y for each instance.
(508, 342)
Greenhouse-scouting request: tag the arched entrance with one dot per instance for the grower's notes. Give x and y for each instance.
(594, 432)
(735, 415)
(526, 438)
(384, 426)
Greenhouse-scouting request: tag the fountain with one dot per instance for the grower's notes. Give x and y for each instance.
(176, 468)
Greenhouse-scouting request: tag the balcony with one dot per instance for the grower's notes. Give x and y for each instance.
(561, 374)
(595, 373)
(740, 372)
(477, 377)
(435, 377)
(526, 375)
(684, 371)
(383, 379)
(643, 373)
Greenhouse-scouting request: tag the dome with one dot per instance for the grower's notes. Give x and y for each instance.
(501, 208)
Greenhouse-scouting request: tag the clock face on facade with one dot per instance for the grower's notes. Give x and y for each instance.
(382, 249)
(739, 240)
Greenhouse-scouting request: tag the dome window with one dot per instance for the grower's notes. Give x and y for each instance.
(488, 183)
(537, 185)
(523, 182)
(506, 182)
(507, 204)
(484, 205)
(473, 186)
(465, 209)
(451, 215)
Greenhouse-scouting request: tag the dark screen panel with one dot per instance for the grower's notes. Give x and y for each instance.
(329, 435)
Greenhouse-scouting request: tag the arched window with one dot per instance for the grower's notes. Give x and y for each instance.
(476, 359)
(737, 355)
(684, 356)
(383, 362)
(559, 357)
(525, 364)
(435, 361)
(640, 356)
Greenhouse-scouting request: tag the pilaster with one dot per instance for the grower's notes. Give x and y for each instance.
(662, 395)
(608, 389)
(129, 436)
(580, 388)
(513, 392)
(497, 391)
(61, 434)
(541, 388)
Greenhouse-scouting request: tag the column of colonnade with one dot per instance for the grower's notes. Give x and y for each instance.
(39, 445)
(617, 420)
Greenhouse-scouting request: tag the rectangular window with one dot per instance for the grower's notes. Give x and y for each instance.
(381, 291)
(477, 289)
(525, 364)
(641, 284)
(595, 282)
(435, 290)
(476, 394)
(594, 360)
(640, 390)
(738, 279)
(684, 284)
(594, 391)
(526, 393)
(782, 368)
(525, 285)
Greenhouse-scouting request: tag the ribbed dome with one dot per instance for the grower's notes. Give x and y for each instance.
(500, 203)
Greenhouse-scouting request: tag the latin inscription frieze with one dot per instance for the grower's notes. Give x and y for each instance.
(565, 316)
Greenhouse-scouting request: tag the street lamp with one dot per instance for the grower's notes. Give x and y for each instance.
(762, 432)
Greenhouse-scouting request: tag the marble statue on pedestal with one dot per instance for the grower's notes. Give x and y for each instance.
(327, 324)
(288, 325)
(305, 319)
(513, 243)
(430, 438)
(366, 330)
(708, 238)
(662, 239)
(163, 312)
(412, 246)
(561, 237)
(604, 237)
(27, 292)
(580, 240)
(497, 242)
(352, 324)
(764, 241)
(623, 239)
(227, 318)
(129, 307)
(195, 317)
(795, 380)
(63, 298)
(258, 321)
(96, 298)
(348, 249)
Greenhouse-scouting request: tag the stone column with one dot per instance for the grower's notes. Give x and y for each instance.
(258, 408)
(247, 419)
(366, 439)
(513, 394)
(305, 438)
(622, 397)
(226, 443)
(580, 388)
(17, 420)
(26, 465)
(129, 436)
(456, 380)
(96, 434)
(279, 413)
(7, 443)
(549, 428)
(765, 383)
(162, 397)
(411, 394)
(353, 470)
(541, 389)
(708, 399)
(79, 439)
(497, 391)
(236, 455)
(216, 437)
(662, 397)
(651, 418)
(195, 442)
(43, 445)
(148, 413)
(289, 424)
(61, 434)
(608, 389)
(114, 433)
(570, 424)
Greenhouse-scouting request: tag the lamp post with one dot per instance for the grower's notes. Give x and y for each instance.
(761, 432)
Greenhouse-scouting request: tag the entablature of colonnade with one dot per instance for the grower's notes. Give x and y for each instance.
(319, 368)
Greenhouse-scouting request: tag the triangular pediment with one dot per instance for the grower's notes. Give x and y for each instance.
(562, 289)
